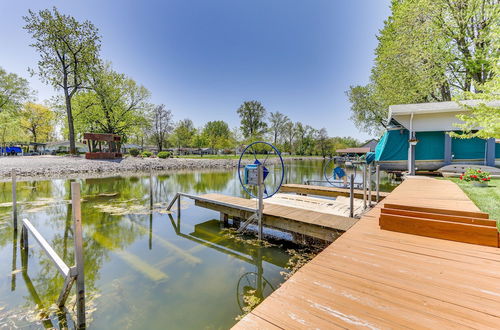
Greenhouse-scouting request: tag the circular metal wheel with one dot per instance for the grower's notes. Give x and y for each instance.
(249, 282)
(274, 168)
(346, 165)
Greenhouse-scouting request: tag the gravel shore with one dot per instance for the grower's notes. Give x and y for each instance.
(69, 167)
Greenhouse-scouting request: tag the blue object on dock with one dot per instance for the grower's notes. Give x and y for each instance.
(338, 173)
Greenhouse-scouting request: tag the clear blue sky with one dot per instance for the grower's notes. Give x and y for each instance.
(203, 58)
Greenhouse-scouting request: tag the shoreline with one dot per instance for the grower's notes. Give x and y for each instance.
(68, 167)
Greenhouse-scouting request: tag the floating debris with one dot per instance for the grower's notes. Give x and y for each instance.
(250, 300)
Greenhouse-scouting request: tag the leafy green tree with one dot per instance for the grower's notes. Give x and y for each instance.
(217, 134)
(38, 121)
(277, 122)
(290, 131)
(161, 125)
(323, 143)
(367, 112)
(14, 91)
(429, 50)
(252, 115)
(183, 133)
(68, 51)
(114, 104)
(199, 141)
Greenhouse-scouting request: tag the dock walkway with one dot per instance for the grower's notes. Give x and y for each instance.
(372, 278)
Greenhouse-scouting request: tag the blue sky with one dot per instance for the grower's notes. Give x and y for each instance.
(203, 58)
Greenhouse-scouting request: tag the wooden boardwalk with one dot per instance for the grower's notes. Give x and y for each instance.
(372, 278)
(314, 224)
(327, 191)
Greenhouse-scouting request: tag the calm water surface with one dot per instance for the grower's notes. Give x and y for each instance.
(143, 269)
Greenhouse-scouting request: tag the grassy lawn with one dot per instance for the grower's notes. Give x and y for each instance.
(487, 199)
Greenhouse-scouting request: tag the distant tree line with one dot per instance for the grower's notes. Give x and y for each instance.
(96, 98)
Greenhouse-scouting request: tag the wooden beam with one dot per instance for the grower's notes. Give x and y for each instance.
(453, 231)
(325, 191)
(481, 215)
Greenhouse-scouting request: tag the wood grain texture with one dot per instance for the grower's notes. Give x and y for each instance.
(377, 279)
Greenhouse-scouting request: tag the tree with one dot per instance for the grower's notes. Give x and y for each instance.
(199, 141)
(114, 104)
(323, 143)
(217, 134)
(290, 130)
(68, 51)
(429, 50)
(38, 121)
(9, 129)
(183, 133)
(162, 125)
(277, 121)
(367, 112)
(252, 115)
(14, 91)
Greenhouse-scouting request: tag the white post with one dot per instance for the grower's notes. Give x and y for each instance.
(369, 185)
(351, 197)
(14, 199)
(77, 227)
(364, 186)
(377, 178)
(260, 180)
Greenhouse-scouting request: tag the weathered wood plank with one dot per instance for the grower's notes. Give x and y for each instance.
(383, 279)
(326, 191)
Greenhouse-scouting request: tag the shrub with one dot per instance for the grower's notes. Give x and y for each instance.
(146, 154)
(134, 152)
(475, 175)
(163, 154)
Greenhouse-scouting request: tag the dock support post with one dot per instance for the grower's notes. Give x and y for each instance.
(369, 179)
(150, 188)
(80, 283)
(377, 178)
(261, 198)
(178, 206)
(14, 199)
(224, 220)
(351, 197)
(364, 186)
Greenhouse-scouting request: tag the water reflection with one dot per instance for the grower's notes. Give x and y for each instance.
(144, 268)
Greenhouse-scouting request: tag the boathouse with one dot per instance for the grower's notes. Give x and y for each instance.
(416, 138)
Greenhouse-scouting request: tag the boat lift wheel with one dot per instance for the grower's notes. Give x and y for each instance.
(346, 165)
(266, 155)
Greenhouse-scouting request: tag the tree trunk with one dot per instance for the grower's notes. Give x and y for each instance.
(71, 128)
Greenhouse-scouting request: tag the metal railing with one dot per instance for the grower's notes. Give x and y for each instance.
(74, 274)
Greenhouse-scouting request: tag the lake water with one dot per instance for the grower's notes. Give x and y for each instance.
(143, 269)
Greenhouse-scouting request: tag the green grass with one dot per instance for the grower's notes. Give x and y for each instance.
(487, 198)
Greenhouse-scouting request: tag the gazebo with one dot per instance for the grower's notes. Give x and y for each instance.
(110, 150)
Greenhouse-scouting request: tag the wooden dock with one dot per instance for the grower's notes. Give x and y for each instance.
(318, 225)
(373, 278)
(306, 189)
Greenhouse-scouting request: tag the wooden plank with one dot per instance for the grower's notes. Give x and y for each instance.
(79, 263)
(440, 216)
(325, 191)
(467, 233)
(480, 215)
(385, 279)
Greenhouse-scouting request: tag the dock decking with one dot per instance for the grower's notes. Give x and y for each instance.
(372, 278)
(327, 191)
(319, 225)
